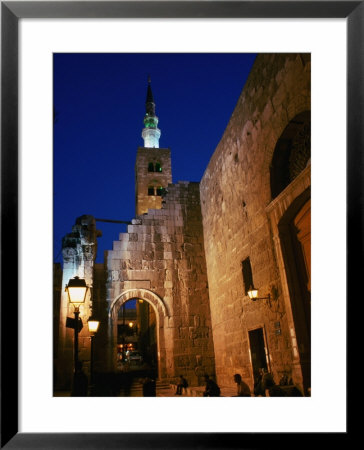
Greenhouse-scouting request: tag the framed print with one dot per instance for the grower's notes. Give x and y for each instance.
(207, 280)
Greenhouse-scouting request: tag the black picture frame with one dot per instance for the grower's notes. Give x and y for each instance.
(11, 12)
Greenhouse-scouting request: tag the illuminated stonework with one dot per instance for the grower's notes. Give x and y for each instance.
(151, 137)
(193, 251)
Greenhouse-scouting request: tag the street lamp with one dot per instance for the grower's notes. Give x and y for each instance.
(76, 290)
(93, 326)
(253, 295)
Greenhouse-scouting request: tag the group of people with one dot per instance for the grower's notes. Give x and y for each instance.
(212, 389)
(264, 382)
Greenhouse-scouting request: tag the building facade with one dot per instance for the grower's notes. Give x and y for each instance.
(194, 250)
(255, 202)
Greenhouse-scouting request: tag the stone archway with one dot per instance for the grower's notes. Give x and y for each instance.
(161, 312)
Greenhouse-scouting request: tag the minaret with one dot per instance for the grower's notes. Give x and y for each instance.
(153, 164)
(151, 133)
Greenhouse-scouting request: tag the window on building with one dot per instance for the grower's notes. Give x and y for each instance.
(159, 190)
(292, 153)
(247, 275)
(150, 167)
(150, 190)
(158, 167)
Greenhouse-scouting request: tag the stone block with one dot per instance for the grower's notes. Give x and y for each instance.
(137, 284)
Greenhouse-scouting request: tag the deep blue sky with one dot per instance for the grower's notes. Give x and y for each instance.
(100, 105)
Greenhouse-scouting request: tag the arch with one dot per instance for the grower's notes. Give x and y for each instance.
(161, 313)
(150, 167)
(291, 154)
(297, 105)
(158, 167)
(144, 294)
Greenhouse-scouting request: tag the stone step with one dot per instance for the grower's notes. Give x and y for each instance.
(159, 385)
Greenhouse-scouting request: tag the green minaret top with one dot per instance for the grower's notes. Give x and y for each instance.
(151, 133)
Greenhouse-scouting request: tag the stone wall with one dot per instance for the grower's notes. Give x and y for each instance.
(161, 260)
(235, 192)
(79, 252)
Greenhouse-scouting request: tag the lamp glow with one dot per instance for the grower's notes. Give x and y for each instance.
(253, 293)
(93, 326)
(76, 290)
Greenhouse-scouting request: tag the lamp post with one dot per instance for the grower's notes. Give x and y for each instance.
(93, 326)
(76, 290)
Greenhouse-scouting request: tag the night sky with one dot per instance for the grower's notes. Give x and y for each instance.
(99, 102)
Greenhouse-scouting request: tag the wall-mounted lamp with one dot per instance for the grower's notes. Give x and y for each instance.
(253, 295)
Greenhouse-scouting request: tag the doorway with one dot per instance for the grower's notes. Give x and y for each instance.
(258, 352)
(136, 337)
(295, 236)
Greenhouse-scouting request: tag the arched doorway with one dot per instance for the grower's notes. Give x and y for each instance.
(137, 337)
(150, 314)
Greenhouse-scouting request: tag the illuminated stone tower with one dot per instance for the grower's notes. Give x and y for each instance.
(153, 170)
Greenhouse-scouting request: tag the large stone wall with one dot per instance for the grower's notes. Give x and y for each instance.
(235, 192)
(161, 260)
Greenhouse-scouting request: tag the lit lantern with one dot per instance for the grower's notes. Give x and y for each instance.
(76, 290)
(253, 293)
(93, 326)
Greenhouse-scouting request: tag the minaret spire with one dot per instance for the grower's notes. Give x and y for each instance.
(150, 98)
(151, 132)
